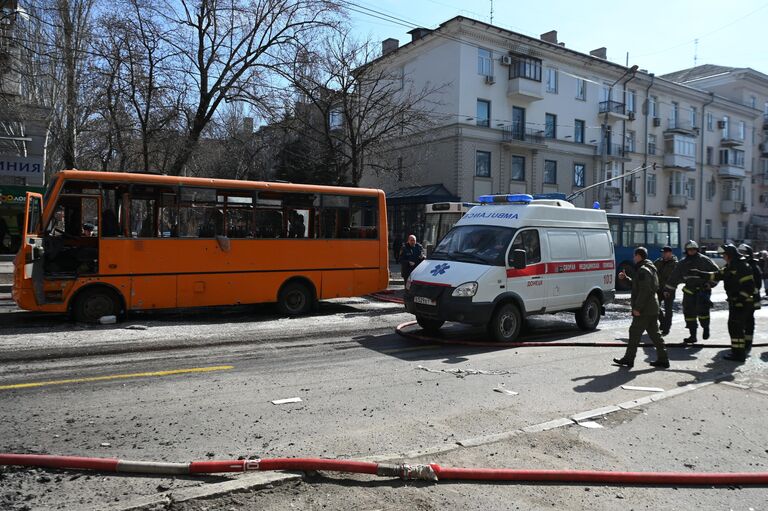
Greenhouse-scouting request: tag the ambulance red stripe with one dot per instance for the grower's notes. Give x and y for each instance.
(563, 267)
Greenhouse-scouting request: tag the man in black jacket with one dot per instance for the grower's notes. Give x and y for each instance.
(411, 255)
(739, 285)
(749, 327)
(665, 265)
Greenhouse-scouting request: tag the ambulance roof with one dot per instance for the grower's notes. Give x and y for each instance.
(537, 213)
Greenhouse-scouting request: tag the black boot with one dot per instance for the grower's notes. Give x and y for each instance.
(691, 339)
(705, 334)
(733, 356)
(660, 363)
(624, 362)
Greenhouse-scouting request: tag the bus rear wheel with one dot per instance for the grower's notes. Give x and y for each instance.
(295, 299)
(95, 303)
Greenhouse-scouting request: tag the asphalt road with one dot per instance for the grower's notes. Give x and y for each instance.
(178, 387)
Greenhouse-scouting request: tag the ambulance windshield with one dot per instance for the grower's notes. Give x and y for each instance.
(481, 244)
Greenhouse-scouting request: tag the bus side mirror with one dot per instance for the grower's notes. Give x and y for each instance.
(519, 259)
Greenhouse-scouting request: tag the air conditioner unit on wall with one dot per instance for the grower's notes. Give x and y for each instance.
(631, 116)
(490, 80)
(657, 121)
(506, 60)
(720, 125)
(633, 197)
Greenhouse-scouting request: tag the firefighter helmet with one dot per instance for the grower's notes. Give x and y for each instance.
(746, 250)
(691, 244)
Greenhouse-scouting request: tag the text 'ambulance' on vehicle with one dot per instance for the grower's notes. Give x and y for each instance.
(512, 257)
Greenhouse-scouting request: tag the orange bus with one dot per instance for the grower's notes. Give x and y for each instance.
(104, 243)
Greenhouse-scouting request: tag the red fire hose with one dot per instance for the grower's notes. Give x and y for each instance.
(432, 472)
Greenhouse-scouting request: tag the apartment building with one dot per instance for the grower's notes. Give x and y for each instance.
(526, 115)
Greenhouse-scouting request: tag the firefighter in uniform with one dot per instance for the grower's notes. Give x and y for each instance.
(749, 326)
(665, 265)
(696, 291)
(740, 287)
(645, 311)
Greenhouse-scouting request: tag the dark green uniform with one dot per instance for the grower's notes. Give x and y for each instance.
(696, 291)
(645, 285)
(739, 283)
(664, 269)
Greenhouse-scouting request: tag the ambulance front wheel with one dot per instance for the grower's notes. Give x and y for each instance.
(430, 326)
(506, 323)
(588, 316)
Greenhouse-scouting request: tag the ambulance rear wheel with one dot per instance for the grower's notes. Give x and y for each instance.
(589, 315)
(506, 323)
(430, 326)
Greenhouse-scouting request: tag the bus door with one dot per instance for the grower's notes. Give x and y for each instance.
(32, 252)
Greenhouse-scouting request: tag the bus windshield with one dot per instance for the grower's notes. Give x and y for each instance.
(481, 244)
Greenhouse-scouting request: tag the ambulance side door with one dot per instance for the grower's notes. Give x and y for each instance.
(563, 278)
(529, 282)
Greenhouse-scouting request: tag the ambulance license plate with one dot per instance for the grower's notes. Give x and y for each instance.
(423, 300)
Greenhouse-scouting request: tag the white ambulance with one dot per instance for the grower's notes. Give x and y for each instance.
(512, 257)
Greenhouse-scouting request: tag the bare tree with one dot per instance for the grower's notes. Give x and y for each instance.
(228, 50)
(357, 108)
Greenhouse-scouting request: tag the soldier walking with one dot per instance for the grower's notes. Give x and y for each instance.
(665, 265)
(739, 285)
(696, 291)
(645, 311)
(749, 326)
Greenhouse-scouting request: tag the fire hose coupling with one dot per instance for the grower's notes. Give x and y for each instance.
(407, 472)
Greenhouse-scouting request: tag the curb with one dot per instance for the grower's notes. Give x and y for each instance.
(254, 481)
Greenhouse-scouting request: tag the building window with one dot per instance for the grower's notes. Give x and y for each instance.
(483, 113)
(693, 116)
(742, 130)
(579, 170)
(483, 164)
(484, 62)
(710, 155)
(691, 188)
(335, 119)
(753, 101)
(630, 142)
(677, 184)
(710, 122)
(675, 115)
(725, 231)
(651, 144)
(739, 230)
(525, 67)
(630, 101)
(552, 80)
(733, 157)
(650, 184)
(725, 127)
(708, 229)
(550, 172)
(711, 189)
(517, 172)
(653, 102)
(578, 131)
(550, 126)
(691, 228)
(581, 89)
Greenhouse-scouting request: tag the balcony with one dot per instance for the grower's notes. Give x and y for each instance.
(524, 89)
(513, 135)
(730, 206)
(677, 201)
(730, 141)
(759, 221)
(728, 171)
(612, 152)
(615, 110)
(679, 161)
(681, 126)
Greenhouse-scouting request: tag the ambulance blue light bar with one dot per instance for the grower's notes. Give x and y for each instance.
(512, 198)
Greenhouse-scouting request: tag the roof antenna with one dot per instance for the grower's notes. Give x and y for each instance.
(491, 12)
(695, 52)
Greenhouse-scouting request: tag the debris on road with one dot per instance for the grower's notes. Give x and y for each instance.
(105, 444)
(461, 373)
(108, 320)
(286, 401)
(644, 389)
(590, 424)
(505, 391)
(137, 327)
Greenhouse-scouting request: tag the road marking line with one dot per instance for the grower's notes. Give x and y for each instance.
(116, 377)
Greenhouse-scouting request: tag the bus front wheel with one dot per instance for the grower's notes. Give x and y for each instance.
(95, 303)
(295, 299)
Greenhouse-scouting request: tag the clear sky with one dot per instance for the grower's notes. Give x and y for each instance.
(658, 34)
